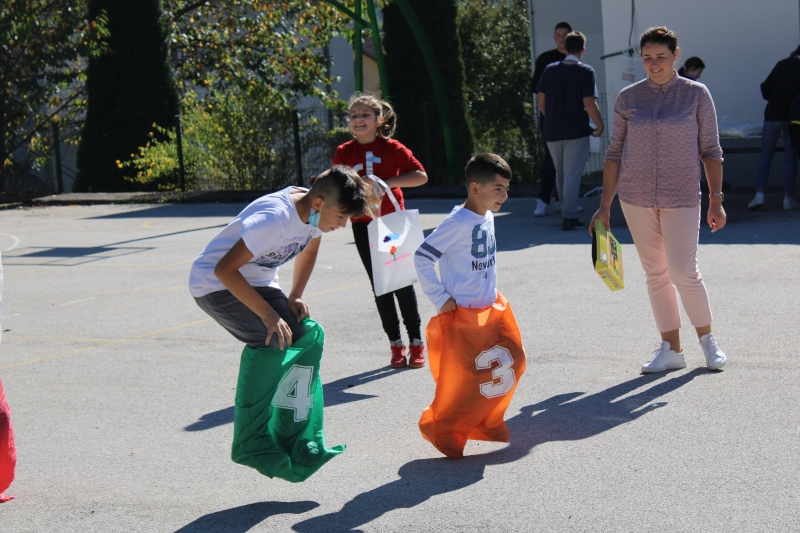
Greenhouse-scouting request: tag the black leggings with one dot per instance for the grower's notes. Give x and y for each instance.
(406, 297)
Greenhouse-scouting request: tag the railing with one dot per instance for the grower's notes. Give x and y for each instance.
(320, 130)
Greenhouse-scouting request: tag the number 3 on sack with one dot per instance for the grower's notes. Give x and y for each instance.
(503, 377)
(294, 391)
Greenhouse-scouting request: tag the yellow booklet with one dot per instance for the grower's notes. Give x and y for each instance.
(607, 257)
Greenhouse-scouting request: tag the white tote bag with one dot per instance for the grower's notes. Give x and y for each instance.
(393, 240)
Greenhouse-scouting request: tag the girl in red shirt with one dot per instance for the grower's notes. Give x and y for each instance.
(374, 152)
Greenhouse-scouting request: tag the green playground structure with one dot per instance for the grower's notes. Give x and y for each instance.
(430, 62)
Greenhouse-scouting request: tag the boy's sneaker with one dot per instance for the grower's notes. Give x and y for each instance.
(757, 202)
(664, 359)
(416, 359)
(790, 204)
(541, 208)
(398, 354)
(715, 357)
(570, 224)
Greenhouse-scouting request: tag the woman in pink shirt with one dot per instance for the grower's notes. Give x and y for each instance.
(664, 127)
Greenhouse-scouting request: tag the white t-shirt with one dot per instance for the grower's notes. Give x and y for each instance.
(270, 228)
(464, 244)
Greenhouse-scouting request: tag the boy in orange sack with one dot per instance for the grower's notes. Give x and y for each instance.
(474, 346)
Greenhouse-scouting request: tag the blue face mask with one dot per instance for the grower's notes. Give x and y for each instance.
(313, 218)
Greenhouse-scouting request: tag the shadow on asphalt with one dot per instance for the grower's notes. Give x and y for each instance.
(245, 517)
(212, 420)
(96, 253)
(564, 417)
(334, 393)
(517, 229)
(178, 211)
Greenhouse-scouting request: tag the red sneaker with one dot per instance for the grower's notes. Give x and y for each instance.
(398, 356)
(416, 359)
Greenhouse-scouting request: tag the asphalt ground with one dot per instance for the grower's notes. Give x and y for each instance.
(121, 389)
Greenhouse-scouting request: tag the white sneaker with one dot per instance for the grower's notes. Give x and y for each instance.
(790, 204)
(715, 357)
(664, 359)
(541, 208)
(757, 202)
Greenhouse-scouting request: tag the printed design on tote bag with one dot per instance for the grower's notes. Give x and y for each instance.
(388, 238)
(280, 256)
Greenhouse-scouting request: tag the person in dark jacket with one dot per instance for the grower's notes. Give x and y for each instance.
(547, 174)
(780, 89)
(794, 125)
(692, 68)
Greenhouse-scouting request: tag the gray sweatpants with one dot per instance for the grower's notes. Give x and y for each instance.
(569, 158)
(245, 325)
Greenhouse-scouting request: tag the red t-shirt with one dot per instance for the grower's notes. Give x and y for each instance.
(385, 158)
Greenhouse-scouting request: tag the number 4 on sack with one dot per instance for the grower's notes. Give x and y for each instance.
(294, 391)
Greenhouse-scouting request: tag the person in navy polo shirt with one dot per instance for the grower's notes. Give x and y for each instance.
(567, 93)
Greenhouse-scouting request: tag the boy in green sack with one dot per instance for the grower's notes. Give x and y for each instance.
(278, 412)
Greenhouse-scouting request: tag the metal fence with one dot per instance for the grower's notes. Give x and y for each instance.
(307, 147)
(416, 120)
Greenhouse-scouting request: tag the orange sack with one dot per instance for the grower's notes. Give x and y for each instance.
(476, 358)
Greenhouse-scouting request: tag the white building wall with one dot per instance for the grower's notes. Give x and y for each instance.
(739, 42)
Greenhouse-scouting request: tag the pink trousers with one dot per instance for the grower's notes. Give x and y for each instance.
(666, 240)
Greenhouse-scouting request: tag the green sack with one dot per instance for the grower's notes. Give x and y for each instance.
(277, 421)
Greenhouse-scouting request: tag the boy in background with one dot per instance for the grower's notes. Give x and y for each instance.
(474, 347)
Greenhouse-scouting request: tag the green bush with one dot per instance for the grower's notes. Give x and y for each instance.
(231, 143)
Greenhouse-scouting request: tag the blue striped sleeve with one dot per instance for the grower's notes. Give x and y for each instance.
(430, 249)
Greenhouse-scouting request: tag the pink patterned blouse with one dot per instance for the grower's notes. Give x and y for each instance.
(661, 134)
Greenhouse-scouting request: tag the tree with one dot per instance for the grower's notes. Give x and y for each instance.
(130, 89)
(419, 125)
(269, 49)
(496, 51)
(43, 44)
(243, 67)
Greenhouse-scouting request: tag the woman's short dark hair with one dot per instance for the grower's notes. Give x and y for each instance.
(659, 35)
(575, 42)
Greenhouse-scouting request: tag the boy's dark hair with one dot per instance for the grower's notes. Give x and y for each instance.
(343, 187)
(694, 62)
(483, 167)
(575, 42)
(564, 25)
(659, 35)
